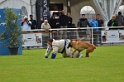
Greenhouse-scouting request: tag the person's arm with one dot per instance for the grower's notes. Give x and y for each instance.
(42, 26)
(49, 27)
(96, 23)
(47, 53)
(35, 24)
(102, 23)
(29, 23)
(78, 24)
(91, 23)
(88, 23)
(116, 23)
(55, 50)
(109, 23)
(71, 21)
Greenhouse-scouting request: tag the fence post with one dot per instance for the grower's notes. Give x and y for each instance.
(92, 34)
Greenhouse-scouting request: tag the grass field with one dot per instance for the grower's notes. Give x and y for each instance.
(105, 64)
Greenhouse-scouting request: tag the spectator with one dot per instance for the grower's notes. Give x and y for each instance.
(54, 21)
(100, 21)
(69, 25)
(69, 19)
(83, 22)
(94, 24)
(113, 22)
(63, 24)
(26, 24)
(100, 24)
(33, 22)
(63, 19)
(45, 36)
(21, 20)
(120, 19)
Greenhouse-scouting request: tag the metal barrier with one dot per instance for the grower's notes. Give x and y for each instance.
(39, 37)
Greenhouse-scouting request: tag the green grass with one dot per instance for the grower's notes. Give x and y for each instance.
(105, 64)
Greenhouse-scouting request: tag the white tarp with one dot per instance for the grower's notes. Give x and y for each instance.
(107, 8)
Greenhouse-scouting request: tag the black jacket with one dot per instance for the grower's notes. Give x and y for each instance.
(33, 24)
(69, 19)
(115, 24)
(54, 22)
(83, 22)
(110, 23)
(63, 20)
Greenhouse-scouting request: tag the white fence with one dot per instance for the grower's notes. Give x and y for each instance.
(39, 37)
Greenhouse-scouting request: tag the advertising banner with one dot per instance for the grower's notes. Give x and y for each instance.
(43, 13)
(112, 36)
(32, 39)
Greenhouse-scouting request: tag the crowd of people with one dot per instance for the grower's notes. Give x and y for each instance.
(57, 20)
(61, 20)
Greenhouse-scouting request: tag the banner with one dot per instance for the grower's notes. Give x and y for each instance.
(112, 36)
(42, 10)
(34, 39)
(46, 12)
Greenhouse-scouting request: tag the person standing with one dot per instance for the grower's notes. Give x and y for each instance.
(46, 34)
(33, 22)
(100, 21)
(25, 24)
(100, 24)
(83, 23)
(69, 25)
(94, 24)
(63, 24)
(63, 19)
(69, 19)
(113, 22)
(54, 22)
(120, 19)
